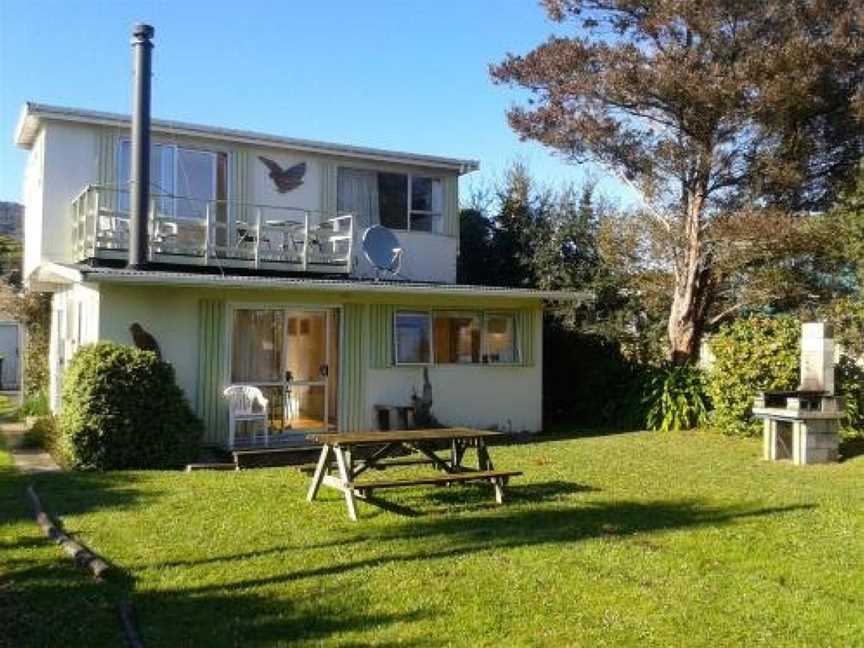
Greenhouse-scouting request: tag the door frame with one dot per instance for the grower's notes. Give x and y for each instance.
(231, 307)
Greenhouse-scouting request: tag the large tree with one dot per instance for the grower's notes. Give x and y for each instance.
(711, 111)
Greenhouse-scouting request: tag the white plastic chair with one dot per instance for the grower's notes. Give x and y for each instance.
(246, 403)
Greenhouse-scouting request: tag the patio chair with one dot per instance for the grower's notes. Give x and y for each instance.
(246, 404)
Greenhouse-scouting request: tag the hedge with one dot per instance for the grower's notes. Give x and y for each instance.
(751, 355)
(122, 408)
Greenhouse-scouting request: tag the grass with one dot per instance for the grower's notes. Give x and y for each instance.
(637, 538)
(8, 409)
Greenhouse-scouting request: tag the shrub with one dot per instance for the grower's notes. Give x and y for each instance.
(41, 433)
(122, 408)
(675, 398)
(33, 310)
(849, 377)
(35, 405)
(586, 380)
(751, 355)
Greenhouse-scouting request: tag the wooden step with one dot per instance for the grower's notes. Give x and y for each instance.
(487, 475)
(210, 466)
(274, 457)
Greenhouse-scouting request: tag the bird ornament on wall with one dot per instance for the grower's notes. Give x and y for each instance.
(143, 340)
(285, 179)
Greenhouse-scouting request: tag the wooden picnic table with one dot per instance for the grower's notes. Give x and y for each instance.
(387, 449)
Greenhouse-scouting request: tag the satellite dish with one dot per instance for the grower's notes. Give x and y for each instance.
(382, 249)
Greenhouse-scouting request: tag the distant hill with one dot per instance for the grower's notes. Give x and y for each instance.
(12, 220)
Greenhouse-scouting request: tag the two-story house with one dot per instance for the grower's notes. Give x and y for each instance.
(258, 276)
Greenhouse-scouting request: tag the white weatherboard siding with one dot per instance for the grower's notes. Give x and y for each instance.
(33, 187)
(74, 322)
(264, 192)
(66, 156)
(426, 257)
(481, 396)
(169, 314)
(70, 164)
(508, 397)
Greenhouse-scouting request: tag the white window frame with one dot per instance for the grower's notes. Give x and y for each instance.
(517, 339)
(437, 217)
(483, 315)
(422, 313)
(213, 153)
(437, 223)
(478, 315)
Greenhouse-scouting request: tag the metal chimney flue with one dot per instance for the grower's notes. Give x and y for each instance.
(139, 189)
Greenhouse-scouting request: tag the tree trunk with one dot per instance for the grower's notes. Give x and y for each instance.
(691, 294)
(685, 324)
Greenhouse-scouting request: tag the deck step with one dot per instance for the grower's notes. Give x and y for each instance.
(480, 475)
(274, 457)
(210, 466)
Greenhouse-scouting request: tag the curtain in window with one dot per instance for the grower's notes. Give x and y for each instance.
(256, 348)
(526, 328)
(357, 194)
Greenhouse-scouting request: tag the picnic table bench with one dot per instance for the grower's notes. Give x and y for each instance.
(386, 449)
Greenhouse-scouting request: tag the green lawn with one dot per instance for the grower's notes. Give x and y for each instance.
(643, 538)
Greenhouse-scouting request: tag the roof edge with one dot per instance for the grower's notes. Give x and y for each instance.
(32, 112)
(190, 279)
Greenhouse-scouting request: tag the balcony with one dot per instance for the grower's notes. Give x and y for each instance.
(219, 234)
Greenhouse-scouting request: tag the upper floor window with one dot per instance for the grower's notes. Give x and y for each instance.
(183, 181)
(395, 200)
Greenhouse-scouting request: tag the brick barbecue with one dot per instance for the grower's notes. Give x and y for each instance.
(803, 425)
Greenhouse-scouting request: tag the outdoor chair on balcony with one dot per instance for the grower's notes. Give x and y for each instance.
(247, 406)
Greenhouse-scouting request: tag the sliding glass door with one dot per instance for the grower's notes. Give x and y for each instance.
(288, 353)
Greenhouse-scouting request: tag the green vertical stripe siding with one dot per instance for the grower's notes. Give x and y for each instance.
(381, 335)
(526, 327)
(353, 416)
(212, 407)
(451, 206)
(240, 184)
(106, 162)
(328, 188)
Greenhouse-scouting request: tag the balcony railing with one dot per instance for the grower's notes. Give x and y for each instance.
(218, 233)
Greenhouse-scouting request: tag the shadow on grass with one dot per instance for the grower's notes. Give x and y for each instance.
(49, 607)
(478, 496)
(82, 492)
(458, 536)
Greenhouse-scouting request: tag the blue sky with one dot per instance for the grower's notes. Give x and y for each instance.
(406, 75)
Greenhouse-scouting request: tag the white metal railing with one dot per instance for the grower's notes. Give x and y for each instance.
(214, 232)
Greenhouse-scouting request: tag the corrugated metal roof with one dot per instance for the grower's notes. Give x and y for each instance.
(31, 113)
(163, 277)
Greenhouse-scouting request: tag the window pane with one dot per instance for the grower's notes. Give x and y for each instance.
(457, 338)
(196, 182)
(427, 194)
(393, 200)
(161, 176)
(412, 338)
(256, 349)
(424, 222)
(124, 157)
(501, 339)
